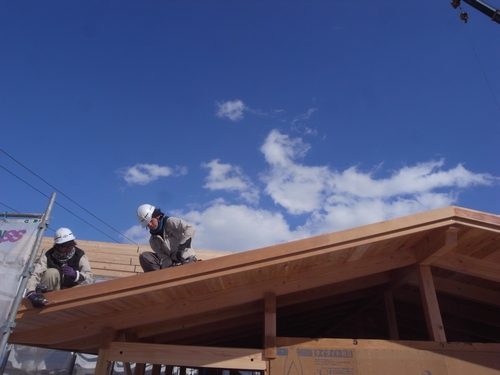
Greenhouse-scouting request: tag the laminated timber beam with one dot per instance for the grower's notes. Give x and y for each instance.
(184, 356)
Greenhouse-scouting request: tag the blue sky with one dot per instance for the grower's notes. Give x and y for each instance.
(260, 122)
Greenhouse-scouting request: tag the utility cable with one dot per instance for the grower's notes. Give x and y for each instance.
(10, 208)
(64, 208)
(64, 195)
(482, 69)
(60, 205)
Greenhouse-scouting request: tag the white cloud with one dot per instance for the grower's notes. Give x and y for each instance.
(230, 178)
(238, 228)
(304, 116)
(138, 234)
(233, 110)
(142, 174)
(328, 200)
(297, 188)
(320, 187)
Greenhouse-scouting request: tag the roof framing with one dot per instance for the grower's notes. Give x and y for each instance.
(359, 280)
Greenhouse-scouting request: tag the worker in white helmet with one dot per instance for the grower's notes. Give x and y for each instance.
(170, 239)
(62, 266)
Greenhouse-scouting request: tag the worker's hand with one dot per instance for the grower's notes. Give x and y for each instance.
(37, 299)
(68, 271)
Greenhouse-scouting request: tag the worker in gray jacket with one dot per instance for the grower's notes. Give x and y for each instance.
(170, 239)
(63, 266)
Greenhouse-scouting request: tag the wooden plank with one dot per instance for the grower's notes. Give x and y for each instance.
(430, 303)
(188, 356)
(389, 345)
(374, 357)
(120, 267)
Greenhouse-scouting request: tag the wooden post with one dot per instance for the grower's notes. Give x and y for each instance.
(391, 316)
(140, 369)
(270, 326)
(103, 366)
(156, 370)
(128, 369)
(430, 303)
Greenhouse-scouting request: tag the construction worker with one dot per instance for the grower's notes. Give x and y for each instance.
(62, 266)
(170, 239)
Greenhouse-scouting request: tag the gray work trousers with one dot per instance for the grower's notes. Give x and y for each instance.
(151, 262)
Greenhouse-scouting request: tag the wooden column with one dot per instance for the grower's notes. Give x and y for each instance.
(430, 303)
(270, 326)
(156, 370)
(140, 369)
(128, 369)
(391, 315)
(103, 366)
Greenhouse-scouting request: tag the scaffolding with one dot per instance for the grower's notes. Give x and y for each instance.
(18, 250)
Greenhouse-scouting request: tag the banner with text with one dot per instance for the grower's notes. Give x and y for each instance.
(17, 238)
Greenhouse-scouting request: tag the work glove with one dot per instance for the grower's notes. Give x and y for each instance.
(166, 263)
(37, 299)
(69, 272)
(180, 250)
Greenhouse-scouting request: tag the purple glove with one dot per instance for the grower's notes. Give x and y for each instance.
(68, 271)
(37, 299)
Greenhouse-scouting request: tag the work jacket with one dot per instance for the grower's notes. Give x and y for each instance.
(166, 243)
(79, 262)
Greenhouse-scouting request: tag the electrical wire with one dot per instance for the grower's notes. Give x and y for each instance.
(60, 205)
(10, 208)
(60, 192)
(482, 69)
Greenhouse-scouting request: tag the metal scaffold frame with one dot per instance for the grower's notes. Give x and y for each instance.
(9, 324)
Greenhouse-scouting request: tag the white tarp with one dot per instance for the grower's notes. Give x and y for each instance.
(17, 238)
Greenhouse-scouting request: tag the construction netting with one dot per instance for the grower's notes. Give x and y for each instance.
(17, 238)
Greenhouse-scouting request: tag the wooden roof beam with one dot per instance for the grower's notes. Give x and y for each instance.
(436, 245)
(469, 266)
(462, 290)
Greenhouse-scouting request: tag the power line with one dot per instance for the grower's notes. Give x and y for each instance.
(482, 69)
(10, 208)
(60, 192)
(60, 205)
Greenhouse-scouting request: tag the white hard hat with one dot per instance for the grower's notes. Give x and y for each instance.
(63, 235)
(145, 214)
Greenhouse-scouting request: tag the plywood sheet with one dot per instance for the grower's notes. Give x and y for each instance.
(372, 357)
